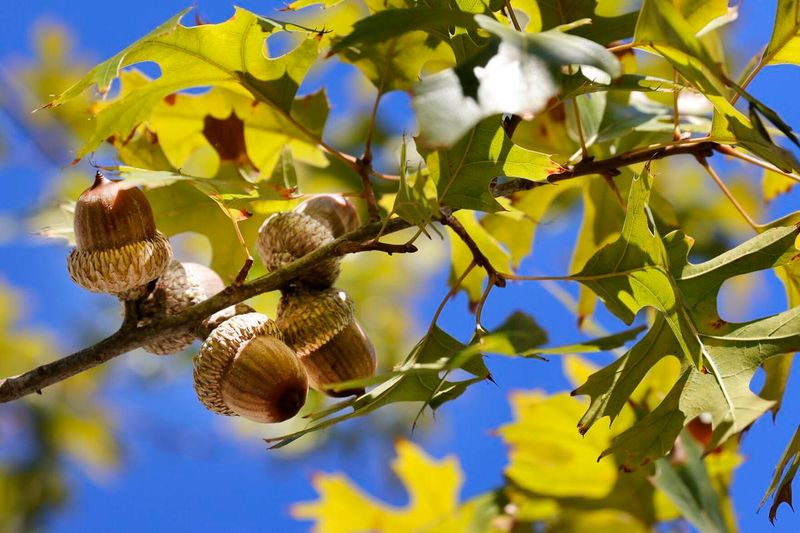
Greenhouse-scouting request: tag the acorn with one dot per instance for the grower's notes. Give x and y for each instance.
(321, 328)
(285, 237)
(181, 286)
(118, 248)
(245, 369)
(333, 210)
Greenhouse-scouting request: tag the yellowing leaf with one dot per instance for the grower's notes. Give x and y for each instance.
(547, 454)
(230, 54)
(433, 490)
(773, 184)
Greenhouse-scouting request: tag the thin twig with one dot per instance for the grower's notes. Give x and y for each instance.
(733, 152)
(676, 116)
(512, 16)
(704, 163)
(602, 166)
(478, 256)
(579, 127)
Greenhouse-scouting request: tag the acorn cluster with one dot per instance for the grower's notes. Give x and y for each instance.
(248, 365)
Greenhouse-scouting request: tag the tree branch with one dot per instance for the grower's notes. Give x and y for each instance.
(129, 337)
(477, 255)
(611, 165)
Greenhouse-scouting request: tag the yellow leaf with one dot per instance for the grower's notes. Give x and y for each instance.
(548, 456)
(433, 490)
(774, 184)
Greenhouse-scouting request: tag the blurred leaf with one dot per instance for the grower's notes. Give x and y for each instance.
(548, 456)
(686, 481)
(433, 491)
(517, 73)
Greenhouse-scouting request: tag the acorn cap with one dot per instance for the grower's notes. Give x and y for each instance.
(321, 328)
(181, 286)
(118, 249)
(123, 271)
(285, 237)
(333, 210)
(245, 369)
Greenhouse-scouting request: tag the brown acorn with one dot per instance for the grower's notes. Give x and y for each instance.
(285, 237)
(181, 286)
(321, 328)
(333, 210)
(118, 249)
(245, 369)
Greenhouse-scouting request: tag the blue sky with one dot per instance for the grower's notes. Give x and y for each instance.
(179, 471)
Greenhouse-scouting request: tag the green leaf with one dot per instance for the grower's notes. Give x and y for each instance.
(415, 202)
(517, 73)
(393, 60)
(780, 488)
(732, 352)
(463, 172)
(229, 54)
(600, 344)
(406, 385)
(604, 30)
(392, 23)
(687, 483)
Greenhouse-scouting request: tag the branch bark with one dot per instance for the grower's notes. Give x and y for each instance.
(611, 165)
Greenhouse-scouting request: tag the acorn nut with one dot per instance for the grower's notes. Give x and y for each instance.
(285, 237)
(118, 249)
(245, 369)
(181, 286)
(321, 328)
(333, 210)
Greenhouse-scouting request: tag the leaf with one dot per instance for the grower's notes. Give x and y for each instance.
(546, 455)
(416, 380)
(415, 202)
(686, 481)
(463, 172)
(395, 61)
(433, 492)
(517, 73)
(602, 218)
(780, 488)
(783, 43)
(599, 344)
(663, 29)
(604, 30)
(659, 275)
(392, 23)
(229, 54)
(773, 184)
